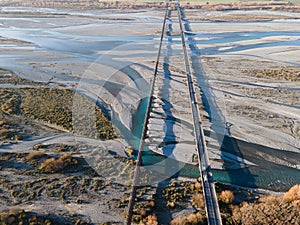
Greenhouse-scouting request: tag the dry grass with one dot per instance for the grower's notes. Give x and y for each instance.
(176, 193)
(277, 74)
(269, 119)
(36, 155)
(291, 97)
(53, 165)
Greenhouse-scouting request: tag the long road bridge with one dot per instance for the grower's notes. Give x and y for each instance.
(211, 202)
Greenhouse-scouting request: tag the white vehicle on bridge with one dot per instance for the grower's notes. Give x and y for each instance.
(204, 177)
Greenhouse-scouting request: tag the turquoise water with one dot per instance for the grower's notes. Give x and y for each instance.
(265, 175)
(274, 177)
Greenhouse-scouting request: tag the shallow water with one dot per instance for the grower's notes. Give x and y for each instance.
(86, 48)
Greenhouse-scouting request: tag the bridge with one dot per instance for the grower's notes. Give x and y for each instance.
(210, 197)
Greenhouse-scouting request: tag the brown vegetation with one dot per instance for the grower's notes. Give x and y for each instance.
(19, 216)
(191, 219)
(260, 114)
(293, 194)
(270, 210)
(198, 185)
(152, 203)
(10, 101)
(4, 132)
(270, 5)
(172, 198)
(72, 188)
(150, 220)
(247, 17)
(36, 155)
(290, 97)
(176, 192)
(7, 76)
(277, 74)
(56, 106)
(53, 165)
(11, 128)
(87, 4)
(129, 150)
(177, 221)
(264, 211)
(194, 218)
(198, 200)
(226, 197)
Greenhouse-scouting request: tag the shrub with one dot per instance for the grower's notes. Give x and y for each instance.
(4, 132)
(143, 212)
(152, 203)
(226, 196)
(198, 185)
(150, 220)
(11, 216)
(270, 199)
(198, 200)
(293, 194)
(129, 150)
(177, 221)
(194, 218)
(269, 210)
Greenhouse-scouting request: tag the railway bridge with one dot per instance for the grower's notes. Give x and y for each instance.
(210, 197)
